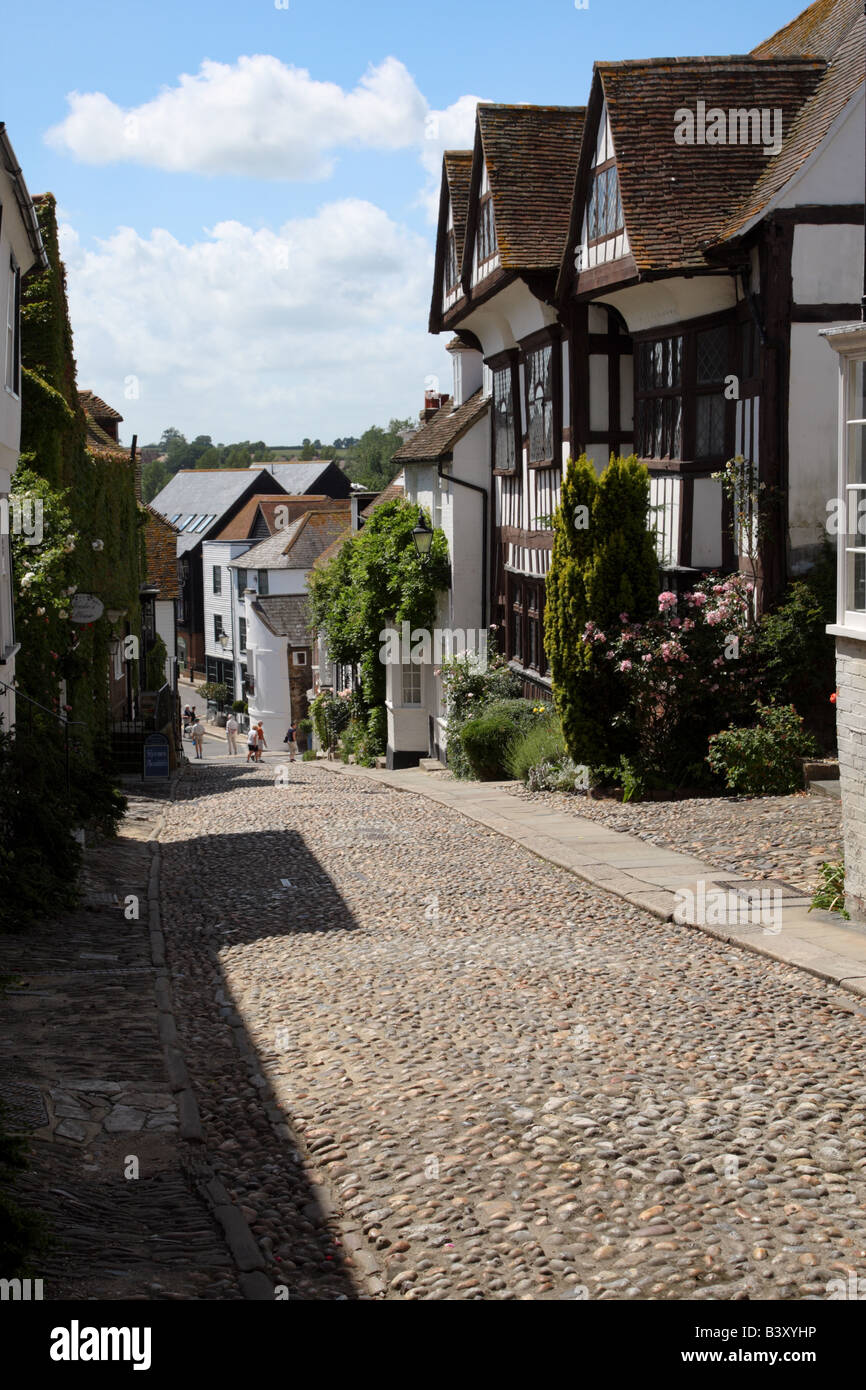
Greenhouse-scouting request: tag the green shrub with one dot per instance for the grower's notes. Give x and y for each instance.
(215, 691)
(470, 687)
(541, 743)
(830, 893)
(603, 566)
(486, 739)
(308, 756)
(154, 664)
(764, 760)
(796, 656)
(240, 707)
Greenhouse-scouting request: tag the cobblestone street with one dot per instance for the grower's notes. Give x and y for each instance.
(430, 1065)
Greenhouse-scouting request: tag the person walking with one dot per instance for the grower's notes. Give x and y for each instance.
(232, 727)
(198, 737)
(291, 739)
(260, 745)
(252, 743)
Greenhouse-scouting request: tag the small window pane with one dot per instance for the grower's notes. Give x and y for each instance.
(856, 598)
(857, 392)
(712, 354)
(217, 580)
(263, 581)
(857, 453)
(710, 427)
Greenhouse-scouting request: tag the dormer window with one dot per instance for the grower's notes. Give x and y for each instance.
(604, 213)
(487, 247)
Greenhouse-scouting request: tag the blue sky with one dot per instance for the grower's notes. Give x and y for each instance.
(173, 236)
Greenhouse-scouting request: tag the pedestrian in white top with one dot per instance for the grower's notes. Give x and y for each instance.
(198, 737)
(252, 743)
(232, 727)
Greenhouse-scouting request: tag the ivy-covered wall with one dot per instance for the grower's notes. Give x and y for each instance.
(92, 542)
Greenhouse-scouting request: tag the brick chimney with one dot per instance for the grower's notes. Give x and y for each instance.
(433, 402)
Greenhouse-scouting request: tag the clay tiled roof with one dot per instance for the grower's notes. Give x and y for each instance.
(817, 31)
(457, 170)
(531, 154)
(242, 526)
(677, 199)
(835, 89)
(160, 543)
(94, 405)
(391, 493)
(99, 440)
(435, 441)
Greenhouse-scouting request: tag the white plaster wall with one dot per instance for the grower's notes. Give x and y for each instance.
(834, 173)
(269, 665)
(827, 264)
(707, 524)
(659, 302)
(165, 627)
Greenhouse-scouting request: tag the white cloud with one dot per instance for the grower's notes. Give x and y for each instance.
(257, 117)
(318, 329)
(450, 129)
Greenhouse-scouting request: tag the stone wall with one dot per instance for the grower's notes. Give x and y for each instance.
(851, 730)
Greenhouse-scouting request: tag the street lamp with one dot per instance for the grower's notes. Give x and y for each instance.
(224, 640)
(422, 535)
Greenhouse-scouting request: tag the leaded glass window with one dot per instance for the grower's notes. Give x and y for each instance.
(539, 372)
(504, 449)
(486, 231)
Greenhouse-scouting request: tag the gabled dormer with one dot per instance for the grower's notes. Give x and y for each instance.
(603, 236)
(453, 200)
(485, 248)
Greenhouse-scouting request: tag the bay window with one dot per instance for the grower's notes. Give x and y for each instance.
(681, 414)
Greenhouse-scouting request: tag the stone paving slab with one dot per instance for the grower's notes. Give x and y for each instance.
(646, 875)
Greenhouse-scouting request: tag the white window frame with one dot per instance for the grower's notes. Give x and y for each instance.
(413, 671)
(850, 343)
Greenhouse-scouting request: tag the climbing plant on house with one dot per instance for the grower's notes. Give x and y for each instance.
(377, 581)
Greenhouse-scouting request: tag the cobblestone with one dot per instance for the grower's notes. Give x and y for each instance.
(786, 837)
(512, 1085)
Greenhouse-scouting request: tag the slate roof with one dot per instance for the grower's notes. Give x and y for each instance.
(297, 545)
(434, 442)
(531, 154)
(286, 615)
(296, 478)
(677, 199)
(199, 498)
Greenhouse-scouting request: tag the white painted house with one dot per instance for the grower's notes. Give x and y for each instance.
(271, 583)
(445, 471)
(21, 250)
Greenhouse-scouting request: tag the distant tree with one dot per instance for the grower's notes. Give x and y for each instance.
(339, 444)
(211, 458)
(154, 476)
(307, 450)
(370, 458)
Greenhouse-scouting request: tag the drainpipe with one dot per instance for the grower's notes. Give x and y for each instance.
(474, 487)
